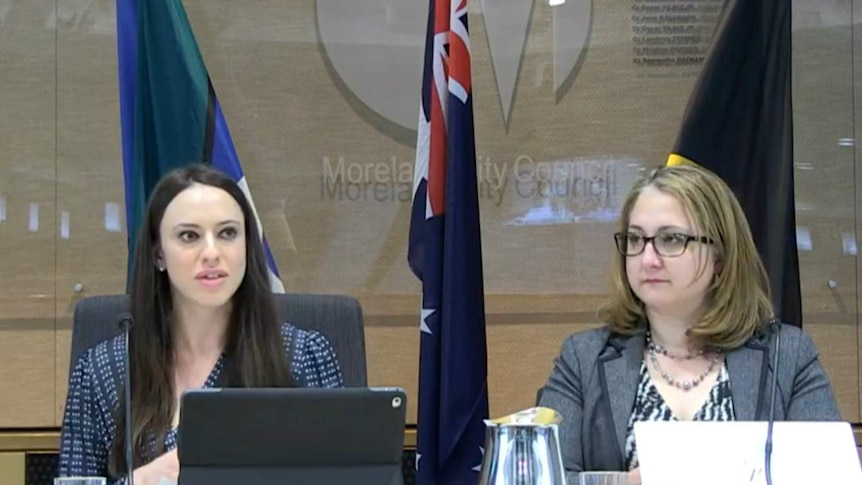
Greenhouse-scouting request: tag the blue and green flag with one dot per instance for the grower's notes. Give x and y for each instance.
(170, 115)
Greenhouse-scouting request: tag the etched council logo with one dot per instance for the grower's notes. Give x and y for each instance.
(376, 48)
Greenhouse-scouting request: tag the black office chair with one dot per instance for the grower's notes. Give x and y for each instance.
(337, 317)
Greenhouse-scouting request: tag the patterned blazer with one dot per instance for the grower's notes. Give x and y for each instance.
(89, 425)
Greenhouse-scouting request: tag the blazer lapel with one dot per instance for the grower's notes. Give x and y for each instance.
(621, 363)
(747, 369)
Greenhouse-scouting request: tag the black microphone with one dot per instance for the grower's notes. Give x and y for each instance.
(125, 322)
(768, 448)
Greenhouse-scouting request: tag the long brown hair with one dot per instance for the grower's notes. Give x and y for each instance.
(738, 299)
(255, 347)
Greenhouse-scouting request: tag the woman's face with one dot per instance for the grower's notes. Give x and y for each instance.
(202, 246)
(671, 276)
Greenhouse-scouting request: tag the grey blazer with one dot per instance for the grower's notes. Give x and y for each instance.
(595, 379)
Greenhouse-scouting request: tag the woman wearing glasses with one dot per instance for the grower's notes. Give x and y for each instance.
(689, 330)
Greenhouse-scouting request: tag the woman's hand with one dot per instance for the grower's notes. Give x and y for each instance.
(166, 466)
(635, 477)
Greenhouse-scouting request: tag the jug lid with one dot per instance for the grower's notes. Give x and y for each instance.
(535, 416)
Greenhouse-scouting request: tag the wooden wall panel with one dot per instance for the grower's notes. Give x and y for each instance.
(91, 252)
(59, 149)
(27, 213)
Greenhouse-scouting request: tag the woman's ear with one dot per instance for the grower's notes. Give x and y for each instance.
(159, 258)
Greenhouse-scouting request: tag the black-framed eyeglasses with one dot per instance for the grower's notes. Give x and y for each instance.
(668, 244)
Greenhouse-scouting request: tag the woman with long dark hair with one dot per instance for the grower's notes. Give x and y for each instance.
(204, 317)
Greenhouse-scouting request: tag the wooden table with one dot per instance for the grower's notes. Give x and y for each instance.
(16, 444)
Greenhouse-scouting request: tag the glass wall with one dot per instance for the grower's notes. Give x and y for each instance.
(322, 97)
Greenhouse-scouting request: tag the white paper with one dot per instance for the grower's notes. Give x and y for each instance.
(112, 217)
(33, 223)
(729, 453)
(64, 225)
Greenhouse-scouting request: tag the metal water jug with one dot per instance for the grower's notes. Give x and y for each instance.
(522, 454)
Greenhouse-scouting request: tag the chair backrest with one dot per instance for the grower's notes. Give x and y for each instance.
(337, 317)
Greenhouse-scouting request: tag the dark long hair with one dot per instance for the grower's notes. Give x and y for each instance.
(255, 347)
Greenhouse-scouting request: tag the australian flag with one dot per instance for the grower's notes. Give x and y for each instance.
(445, 253)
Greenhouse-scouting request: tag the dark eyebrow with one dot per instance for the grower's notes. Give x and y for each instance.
(188, 225)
